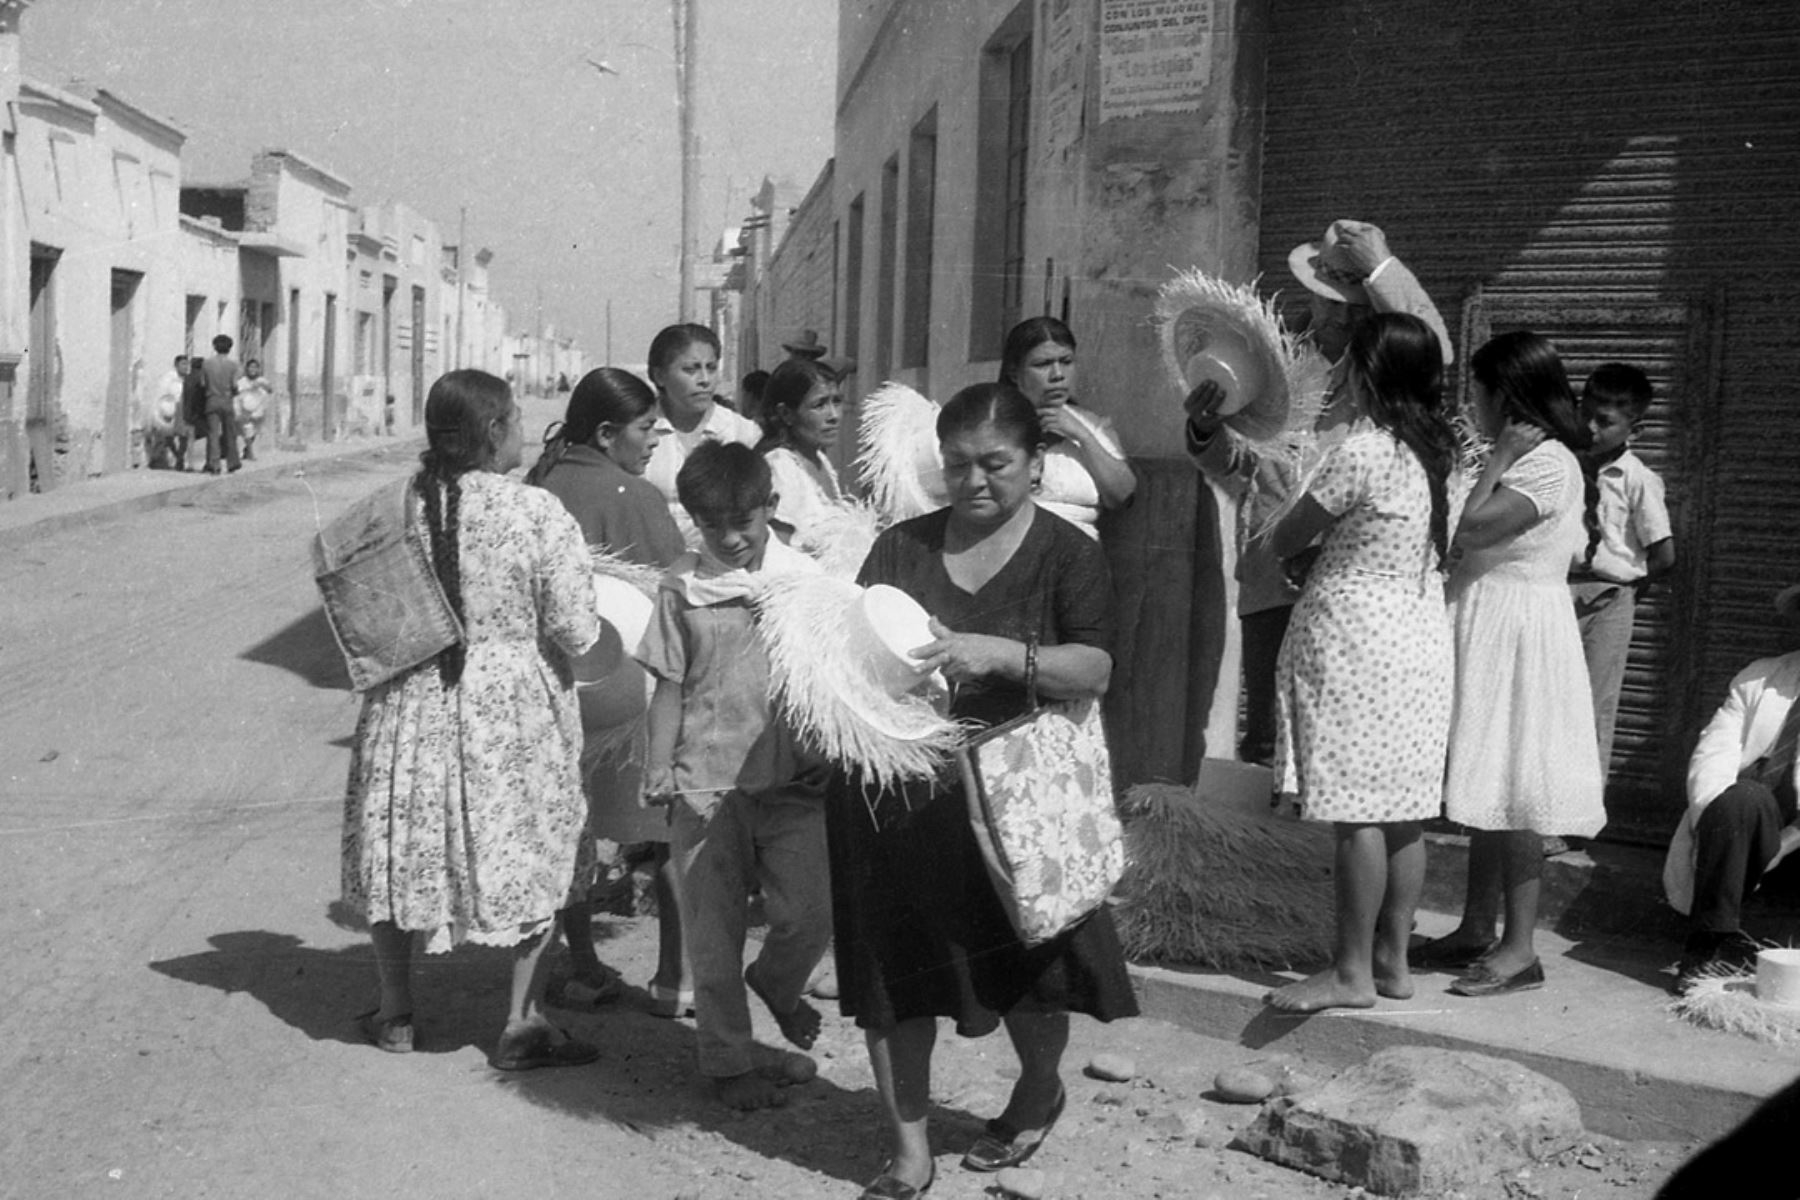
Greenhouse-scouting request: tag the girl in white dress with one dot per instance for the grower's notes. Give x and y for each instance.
(1363, 681)
(1085, 469)
(1523, 758)
(804, 405)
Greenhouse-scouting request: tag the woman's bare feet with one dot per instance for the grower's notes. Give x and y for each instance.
(749, 1092)
(1319, 992)
(1393, 981)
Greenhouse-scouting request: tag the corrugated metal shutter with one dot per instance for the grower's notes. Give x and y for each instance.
(1621, 177)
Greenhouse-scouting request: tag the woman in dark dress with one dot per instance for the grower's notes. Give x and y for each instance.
(920, 932)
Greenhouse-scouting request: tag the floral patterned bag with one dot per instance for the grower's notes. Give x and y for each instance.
(1040, 796)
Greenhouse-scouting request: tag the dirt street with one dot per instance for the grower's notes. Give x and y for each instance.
(176, 1011)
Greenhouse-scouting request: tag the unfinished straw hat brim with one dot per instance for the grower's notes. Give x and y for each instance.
(1303, 261)
(1227, 334)
(615, 698)
(835, 684)
(897, 452)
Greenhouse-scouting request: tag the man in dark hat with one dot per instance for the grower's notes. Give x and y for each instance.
(807, 345)
(1740, 820)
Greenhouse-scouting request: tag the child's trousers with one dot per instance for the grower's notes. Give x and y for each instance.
(773, 840)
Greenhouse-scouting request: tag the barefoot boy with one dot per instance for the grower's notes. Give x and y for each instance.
(745, 810)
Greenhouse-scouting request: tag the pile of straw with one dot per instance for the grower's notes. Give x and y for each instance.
(1212, 884)
(1726, 999)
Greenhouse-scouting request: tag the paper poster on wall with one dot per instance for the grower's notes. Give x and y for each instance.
(1155, 56)
(1064, 61)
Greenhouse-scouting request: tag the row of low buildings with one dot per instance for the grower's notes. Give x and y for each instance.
(112, 263)
(1618, 176)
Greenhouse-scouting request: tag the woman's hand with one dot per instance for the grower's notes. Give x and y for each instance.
(1202, 406)
(1516, 441)
(1058, 421)
(966, 656)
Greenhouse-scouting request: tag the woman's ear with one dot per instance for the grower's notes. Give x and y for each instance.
(605, 433)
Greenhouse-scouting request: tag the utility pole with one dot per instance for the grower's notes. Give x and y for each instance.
(686, 59)
(609, 354)
(462, 289)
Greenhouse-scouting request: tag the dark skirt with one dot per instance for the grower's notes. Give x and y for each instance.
(919, 931)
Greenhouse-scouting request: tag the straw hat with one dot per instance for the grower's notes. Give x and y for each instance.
(897, 452)
(1325, 266)
(841, 669)
(609, 685)
(1213, 331)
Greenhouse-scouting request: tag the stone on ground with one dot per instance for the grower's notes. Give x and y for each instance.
(1024, 1183)
(1414, 1119)
(1114, 1068)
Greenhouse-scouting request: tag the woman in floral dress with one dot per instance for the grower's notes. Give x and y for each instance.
(1364, 677)
(464, 812)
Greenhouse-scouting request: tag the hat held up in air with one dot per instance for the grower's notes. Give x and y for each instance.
(1332, 266)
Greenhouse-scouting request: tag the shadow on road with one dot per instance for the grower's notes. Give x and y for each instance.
(308, 649)
(645, 1080)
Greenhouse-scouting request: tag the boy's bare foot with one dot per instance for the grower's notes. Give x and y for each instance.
(786, 1068)
(1319, 992)
(1393, 981)
(799, 1024)
(749, 1092)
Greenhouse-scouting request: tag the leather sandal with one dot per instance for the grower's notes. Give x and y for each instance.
(539, 1048)
(999, 1145)
(886, 1187)
(395, 1035)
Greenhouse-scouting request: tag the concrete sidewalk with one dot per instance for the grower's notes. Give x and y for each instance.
(1601, 1025)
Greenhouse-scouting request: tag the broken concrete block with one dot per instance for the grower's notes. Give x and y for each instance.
(1414, 1118)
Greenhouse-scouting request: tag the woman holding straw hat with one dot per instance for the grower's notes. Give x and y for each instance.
(1012, 591)
(1085, 470)
(1363, 678)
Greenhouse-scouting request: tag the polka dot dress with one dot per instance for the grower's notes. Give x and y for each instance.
(1364, 677)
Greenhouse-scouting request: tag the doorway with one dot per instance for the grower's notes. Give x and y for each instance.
(40, 396)
(121, 427)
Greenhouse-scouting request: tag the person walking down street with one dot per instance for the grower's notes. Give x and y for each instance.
(1348, 273)
(1740, 823)
(463, 816)
(1085, 469)
(594, 463)
(168, 430)
(193, 406)
(1364, 674)
(1524, 761)
(221, 373)
(684, 367)
(251, 404)
(1016, 594)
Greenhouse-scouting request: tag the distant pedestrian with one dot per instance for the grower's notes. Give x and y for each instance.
(463, 817)
(193, 406)
(252, 405)
(750, 397)
(221, 373)
(168, 430)
(684, 366)
(1523, 758)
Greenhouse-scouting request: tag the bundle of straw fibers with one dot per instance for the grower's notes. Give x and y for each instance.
(1726, 999)
(1212, 884)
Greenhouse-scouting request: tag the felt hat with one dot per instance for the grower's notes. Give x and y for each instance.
(840, 667)
(1324, 266)
(807, 345)
(838, 365)
(1213, 331)
(897, 452)
(1787, 601)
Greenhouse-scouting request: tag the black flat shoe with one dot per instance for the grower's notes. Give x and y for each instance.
(1437, 955)
(886, 1187)
(999, 1146)
(1482, 980)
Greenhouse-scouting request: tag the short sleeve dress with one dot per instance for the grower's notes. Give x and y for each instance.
(464, 814)
(806, 491)
(1363, 680)
(919, 932)
(1523, 754)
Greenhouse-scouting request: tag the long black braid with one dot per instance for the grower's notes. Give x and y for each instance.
(462, 413)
